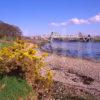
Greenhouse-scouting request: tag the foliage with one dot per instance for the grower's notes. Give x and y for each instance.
(12, 88)
(23, 60)
(8, 31)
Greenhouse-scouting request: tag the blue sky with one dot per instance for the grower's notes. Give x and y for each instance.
(44, 16)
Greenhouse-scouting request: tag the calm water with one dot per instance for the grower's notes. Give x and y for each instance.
(89, 50)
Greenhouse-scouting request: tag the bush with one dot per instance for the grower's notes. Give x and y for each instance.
(23, 60)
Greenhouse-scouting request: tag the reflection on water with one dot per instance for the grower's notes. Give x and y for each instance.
(75, 49)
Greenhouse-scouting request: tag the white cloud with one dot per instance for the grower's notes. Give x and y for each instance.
(55, 24)
(95, 19)
(77, 21)
(59, 24)
(63, 24)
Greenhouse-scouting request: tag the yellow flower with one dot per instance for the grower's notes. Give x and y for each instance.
(1, 58)
(31, 51)
(49, 74)
(45, 55)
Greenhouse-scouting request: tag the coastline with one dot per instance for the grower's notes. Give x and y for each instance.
(76, 64)
(85, 66)
(75, 72)
(83, 58)
(81, 75)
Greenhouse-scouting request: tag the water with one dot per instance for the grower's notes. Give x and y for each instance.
(89, 50)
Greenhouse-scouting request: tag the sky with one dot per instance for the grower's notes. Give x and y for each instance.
(36, 17)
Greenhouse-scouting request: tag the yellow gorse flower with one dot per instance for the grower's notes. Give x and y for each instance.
(45, 55)
(27, 60)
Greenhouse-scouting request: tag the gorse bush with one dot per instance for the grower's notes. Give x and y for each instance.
(23, 60)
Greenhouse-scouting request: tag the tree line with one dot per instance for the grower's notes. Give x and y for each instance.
(9, 31)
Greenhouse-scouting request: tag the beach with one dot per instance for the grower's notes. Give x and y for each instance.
(82, 66)
(76, 72)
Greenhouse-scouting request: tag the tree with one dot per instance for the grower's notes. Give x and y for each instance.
(7, 30)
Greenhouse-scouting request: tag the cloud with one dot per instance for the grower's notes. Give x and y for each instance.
(55, 24)
(59, 24)
(77, 21)
(63, 23)
(95, 19)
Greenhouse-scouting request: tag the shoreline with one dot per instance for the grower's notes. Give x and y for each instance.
(71, 53)
(80, 73)
(74, 73)
(82, 58)
(76, 63)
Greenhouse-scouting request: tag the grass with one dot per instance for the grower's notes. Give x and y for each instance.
(12, 88)
(2, 45)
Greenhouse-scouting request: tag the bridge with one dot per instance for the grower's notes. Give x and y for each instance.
(56, 36)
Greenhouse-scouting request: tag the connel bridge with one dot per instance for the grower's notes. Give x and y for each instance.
(57, 37)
